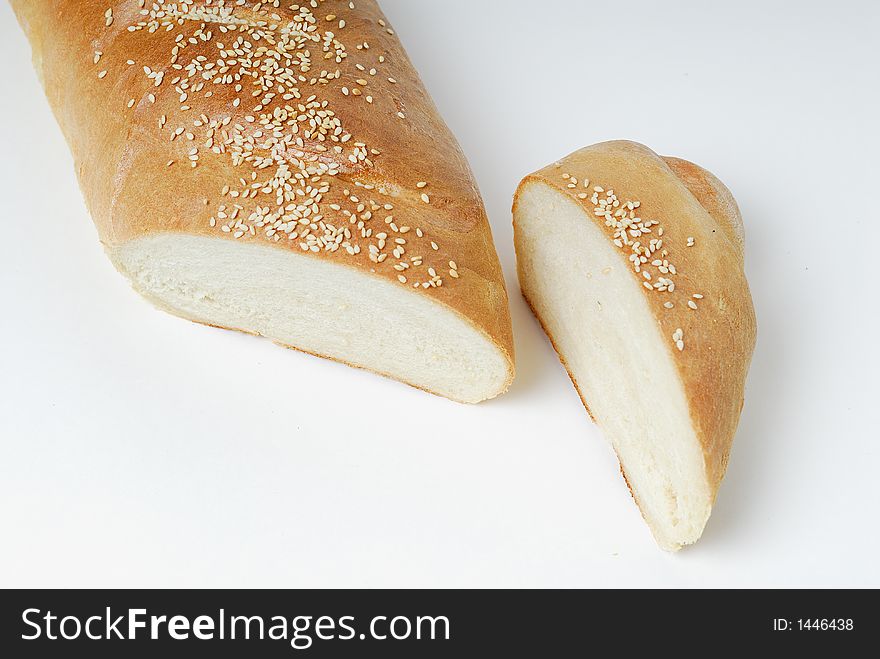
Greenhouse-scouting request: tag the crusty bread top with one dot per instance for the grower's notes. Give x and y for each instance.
(303, 126)
(680, 233)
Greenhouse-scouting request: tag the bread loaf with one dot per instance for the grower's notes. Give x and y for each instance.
(633, 264)
(278, 168)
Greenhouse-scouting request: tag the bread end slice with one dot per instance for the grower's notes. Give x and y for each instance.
(664, 380)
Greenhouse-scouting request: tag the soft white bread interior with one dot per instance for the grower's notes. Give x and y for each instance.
(319, 307)
(636, 276)
(279, 168)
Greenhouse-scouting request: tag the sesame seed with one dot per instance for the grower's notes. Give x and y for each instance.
(678, 338)
(426, 198)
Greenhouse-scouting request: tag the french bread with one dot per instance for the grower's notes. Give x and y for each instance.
(633, 264)
(278, 168)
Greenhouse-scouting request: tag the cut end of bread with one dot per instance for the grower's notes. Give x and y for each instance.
(594, 311)
(319, 307)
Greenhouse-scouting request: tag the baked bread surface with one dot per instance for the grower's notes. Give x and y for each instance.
(297, 127)
(692, 282)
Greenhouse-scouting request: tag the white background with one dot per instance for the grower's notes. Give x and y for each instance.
(137, 449)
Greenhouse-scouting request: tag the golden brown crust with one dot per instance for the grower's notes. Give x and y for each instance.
(713, 195)
(121, 128)
(718, 336)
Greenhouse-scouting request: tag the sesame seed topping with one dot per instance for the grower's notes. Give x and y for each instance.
(641, 239)
(678, 338)
(289, 144)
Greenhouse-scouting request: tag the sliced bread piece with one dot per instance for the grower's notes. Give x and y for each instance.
(633, 264)
(279, 168)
